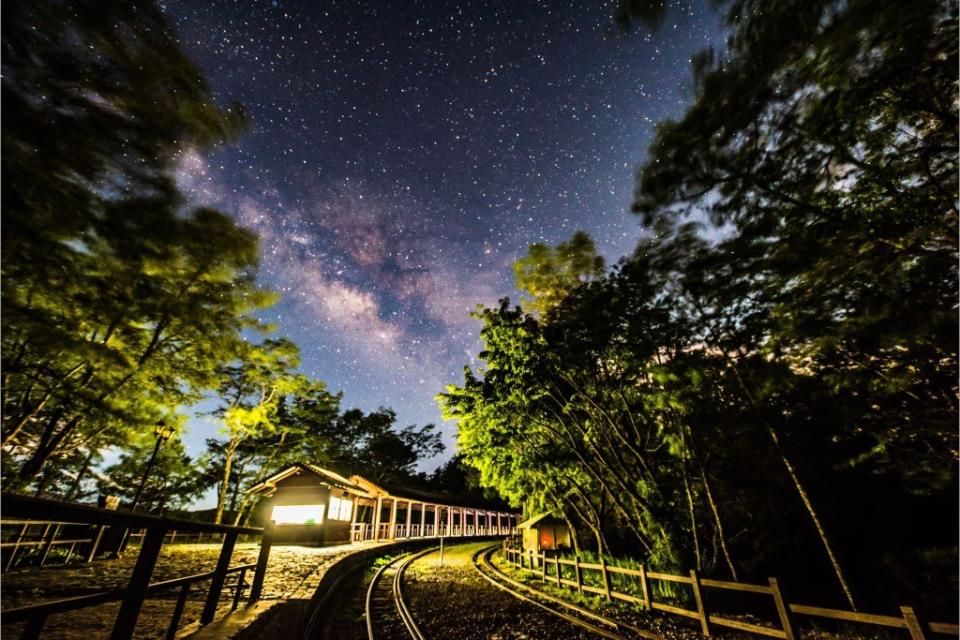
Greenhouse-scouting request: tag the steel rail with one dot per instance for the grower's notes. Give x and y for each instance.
(399, 599)
(403, 610)
(512, 587)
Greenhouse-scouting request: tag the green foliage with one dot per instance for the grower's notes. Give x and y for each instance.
(119, 304)
(772, 375)
(825, 138)
(549, 273)
(173, 481)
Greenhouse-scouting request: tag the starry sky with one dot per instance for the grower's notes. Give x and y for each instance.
(402, 155)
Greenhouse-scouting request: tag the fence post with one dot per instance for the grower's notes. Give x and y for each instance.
(238, 592)
(556, 561)
(606, 577)
(136, 591)
(701, 609)
(178, 612)
(219, 575)
(20, 535)
(645, 587)
(48, 542)
(782, 610)
(265, 543)
(94, 543)
(34, 628)
(542, 559)
(914, 625)
(579, 571)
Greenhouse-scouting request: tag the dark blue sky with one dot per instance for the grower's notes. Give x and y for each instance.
(401, 156)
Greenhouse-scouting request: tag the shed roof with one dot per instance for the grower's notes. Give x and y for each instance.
(325, 475)
(530, 522)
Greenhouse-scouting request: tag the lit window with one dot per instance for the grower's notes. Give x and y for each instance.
(340, 508)
(298, 514)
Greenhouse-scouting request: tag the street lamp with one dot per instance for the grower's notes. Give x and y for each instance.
(163, 433)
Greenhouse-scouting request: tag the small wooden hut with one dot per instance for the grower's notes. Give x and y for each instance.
(544, 532)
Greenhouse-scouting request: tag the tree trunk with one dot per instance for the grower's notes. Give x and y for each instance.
(225, 480)
(718, 523)
(75, 487)
(693, 517)
(241, 510)
(48, 445)
(798, 485)
(801, 490)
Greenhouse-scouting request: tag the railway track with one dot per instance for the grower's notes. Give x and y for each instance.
(387, 613)
(579, 616)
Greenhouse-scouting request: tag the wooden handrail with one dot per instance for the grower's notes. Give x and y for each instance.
(27, 507)
(66, 605)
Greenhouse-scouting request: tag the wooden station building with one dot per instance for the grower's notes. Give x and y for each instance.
(316, 505)
(544, 532)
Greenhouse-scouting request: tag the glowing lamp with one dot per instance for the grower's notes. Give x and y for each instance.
(298, 513)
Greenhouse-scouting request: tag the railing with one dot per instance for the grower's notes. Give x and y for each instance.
(541, 563)
(139, 586)
(360, 531)
(44, 542)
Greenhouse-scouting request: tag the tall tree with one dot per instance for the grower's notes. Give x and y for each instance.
(824, 139)
(118, 302)
(251, 391)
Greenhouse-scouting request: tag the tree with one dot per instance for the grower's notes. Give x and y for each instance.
(305, 431)
(252, 389)
(174, 482)
(118, 302)
(382, 452)
(549, 273)
(824, 142)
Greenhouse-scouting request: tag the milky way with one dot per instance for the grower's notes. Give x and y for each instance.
(401, 155)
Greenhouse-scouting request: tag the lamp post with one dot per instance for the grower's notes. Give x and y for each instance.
(163, 433)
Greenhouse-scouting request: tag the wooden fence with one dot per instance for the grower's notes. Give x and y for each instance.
(131, 597)
(786, 612)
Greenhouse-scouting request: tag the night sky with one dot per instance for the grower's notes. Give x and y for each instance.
(402, 155)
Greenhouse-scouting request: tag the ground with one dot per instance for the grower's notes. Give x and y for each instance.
(293, 571)
(451, 598)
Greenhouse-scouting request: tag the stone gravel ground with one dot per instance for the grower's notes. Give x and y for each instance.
(453, 601)
(293, 571)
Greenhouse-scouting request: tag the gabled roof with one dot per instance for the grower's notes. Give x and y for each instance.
(327, 476)
(360, 486)
(529, 522)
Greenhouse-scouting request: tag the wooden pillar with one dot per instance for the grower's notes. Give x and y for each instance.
(219, 577)
(136, 591)
(914, 625)
(701, 605)
(783, 610)
(409, 518)
(266, 542)
(354, 507)
(392, 533)
(376, 518)
(423, 518)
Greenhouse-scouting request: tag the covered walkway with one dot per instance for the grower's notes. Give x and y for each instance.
(313, 504)
(383, 515)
